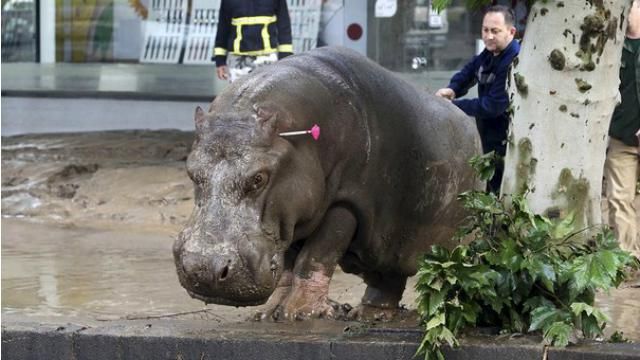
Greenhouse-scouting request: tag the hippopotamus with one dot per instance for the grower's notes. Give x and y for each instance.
(275, 215)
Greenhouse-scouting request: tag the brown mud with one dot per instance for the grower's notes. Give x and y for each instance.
(128, 179)
(89, 220)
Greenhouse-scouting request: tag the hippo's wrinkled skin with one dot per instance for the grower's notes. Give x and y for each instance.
(274, 216)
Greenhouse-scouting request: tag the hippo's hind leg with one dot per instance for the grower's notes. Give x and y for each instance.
(381, 298)
(314, 267)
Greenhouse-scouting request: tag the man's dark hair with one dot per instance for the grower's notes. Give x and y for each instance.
(507, 12)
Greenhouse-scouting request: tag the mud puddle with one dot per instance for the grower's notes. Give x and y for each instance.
(107, 274)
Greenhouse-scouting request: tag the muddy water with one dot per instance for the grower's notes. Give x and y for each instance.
(107, 274)
(48, 270)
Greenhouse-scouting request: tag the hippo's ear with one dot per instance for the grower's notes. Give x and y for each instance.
(199, 119)
(264, 114)
(266, 117)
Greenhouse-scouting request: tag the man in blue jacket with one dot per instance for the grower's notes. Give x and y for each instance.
(489, 70)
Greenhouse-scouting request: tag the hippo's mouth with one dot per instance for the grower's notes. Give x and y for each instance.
(226, 301)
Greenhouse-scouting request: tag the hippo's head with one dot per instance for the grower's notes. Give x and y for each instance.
(255, 193)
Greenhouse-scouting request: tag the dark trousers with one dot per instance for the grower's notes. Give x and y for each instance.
(493, 135)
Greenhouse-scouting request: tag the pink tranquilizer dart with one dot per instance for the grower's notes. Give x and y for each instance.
(314, 131)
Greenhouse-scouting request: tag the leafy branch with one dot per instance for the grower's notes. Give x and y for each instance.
(521, 272)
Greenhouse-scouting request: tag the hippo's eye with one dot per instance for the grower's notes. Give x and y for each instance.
(256, 182)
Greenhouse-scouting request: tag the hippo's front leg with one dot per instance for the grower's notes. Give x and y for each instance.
(282, 289)
(314, 267)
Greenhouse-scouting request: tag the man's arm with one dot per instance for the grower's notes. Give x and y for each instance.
(493, 104)
(464, 79)
(285, 45)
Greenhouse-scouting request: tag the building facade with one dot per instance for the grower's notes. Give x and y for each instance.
(402, 35)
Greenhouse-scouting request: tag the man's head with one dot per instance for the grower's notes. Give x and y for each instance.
(498, 28)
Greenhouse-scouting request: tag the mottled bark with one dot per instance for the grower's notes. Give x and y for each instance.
(564, 88)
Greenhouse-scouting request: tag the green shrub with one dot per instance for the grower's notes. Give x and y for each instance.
(521, 272)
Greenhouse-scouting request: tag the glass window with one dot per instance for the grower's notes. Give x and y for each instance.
(99, 30)
(18, 31)
(417, 38)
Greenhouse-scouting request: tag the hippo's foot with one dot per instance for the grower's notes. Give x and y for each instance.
(308, 298)
(381, 298)
(368, 313)
(281, 292)
(304, 310)
(266, 311)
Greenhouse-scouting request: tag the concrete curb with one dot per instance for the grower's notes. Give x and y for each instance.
(196, 339)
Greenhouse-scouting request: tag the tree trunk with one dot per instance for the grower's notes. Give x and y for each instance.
(564, 88)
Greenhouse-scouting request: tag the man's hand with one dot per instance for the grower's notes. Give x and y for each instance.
(446, 93)
(222, 72)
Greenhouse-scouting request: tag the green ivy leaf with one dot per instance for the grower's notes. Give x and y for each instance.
(590, 326)
(535, 302)
(459, 254)
(438, 254)
(437, 284)
(580, 308)
(470, 312)
(558, 333)
(426, 276)
(436, 300)
(452, 280)
(598, 270)
(565, 227)
(541, 271)
(484, 164)
(447, 336)
(543, 315)
(435, 321)
(517, 322)
(455, 319)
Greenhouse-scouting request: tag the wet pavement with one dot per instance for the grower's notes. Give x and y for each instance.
(110, 274)
(66, 271)
(107, 275)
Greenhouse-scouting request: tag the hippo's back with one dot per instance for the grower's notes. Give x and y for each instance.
(383, 98)
(405, 183)
(395, 155)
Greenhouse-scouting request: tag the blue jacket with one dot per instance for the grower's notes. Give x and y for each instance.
(490, 73)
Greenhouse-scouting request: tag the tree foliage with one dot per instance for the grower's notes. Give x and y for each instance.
(440, 5)
(521, 272)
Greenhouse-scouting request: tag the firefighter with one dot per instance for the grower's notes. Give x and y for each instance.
(251, 33)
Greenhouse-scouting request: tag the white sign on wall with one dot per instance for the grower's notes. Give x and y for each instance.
(435, 18)
(386, 8)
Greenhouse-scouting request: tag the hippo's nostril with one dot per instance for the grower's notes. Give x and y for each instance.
(224, 273)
